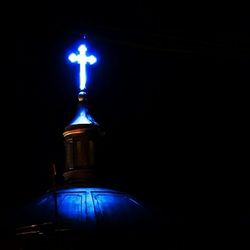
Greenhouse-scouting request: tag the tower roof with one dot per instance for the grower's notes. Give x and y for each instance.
(83, 115)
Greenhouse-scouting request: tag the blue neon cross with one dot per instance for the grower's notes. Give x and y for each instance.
(82, 59)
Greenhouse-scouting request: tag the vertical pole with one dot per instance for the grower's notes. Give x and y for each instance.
(54, 192)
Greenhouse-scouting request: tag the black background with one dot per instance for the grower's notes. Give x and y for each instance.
(169, 90)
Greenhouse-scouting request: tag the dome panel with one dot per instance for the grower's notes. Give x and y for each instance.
(71, 207)
(115, 207)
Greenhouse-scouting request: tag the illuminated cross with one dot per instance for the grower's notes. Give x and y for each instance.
(82, 59)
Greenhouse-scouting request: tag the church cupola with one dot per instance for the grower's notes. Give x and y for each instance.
(80, 134)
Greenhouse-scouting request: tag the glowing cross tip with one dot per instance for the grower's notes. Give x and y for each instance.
(82, 59)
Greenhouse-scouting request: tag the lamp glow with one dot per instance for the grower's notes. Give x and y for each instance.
(82, 59)
(83, 117)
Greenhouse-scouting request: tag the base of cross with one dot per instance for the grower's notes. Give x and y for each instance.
(82, 96)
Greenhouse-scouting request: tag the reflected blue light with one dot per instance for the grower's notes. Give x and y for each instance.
(81, 205)
(86, 208)
(83, 117)
(70, 206)
(82, 59)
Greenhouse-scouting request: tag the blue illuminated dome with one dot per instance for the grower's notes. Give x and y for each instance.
(82, 208)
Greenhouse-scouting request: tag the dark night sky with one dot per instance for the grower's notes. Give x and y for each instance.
(166, 91)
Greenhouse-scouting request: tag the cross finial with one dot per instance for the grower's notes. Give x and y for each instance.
(82, 59)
